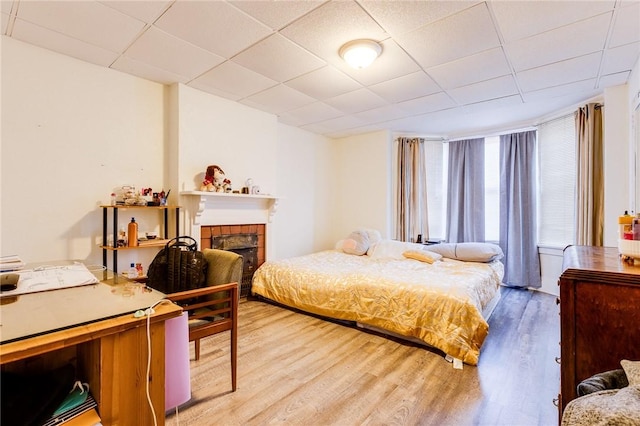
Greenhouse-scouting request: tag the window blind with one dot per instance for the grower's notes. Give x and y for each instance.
(556, 182)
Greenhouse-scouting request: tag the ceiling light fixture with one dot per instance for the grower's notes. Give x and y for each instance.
(360, 53)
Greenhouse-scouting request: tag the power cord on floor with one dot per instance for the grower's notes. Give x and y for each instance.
(148, 312)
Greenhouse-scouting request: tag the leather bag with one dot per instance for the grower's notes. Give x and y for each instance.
(179, 266)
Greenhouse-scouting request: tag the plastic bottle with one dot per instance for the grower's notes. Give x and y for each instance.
(113, 198)
(625, 223)
(636, 227)
(132, 232)
(132, 272)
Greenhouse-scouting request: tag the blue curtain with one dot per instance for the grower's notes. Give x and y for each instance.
(465, 198)
(518, 231)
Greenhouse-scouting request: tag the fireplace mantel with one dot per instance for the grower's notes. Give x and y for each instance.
(230, 200)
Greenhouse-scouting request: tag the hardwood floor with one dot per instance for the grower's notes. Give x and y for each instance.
(297, 369)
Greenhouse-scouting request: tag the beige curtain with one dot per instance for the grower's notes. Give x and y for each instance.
(412, 190)
(589, 176)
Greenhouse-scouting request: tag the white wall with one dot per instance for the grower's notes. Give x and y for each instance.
(617, 143)
(362, 166)
(72, 133)
(303, 221)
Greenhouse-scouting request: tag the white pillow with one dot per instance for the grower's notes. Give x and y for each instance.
(373, 234)
(469, 252)
(391, 249)
(356, 243)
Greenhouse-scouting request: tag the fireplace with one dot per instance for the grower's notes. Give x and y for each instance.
(246, 240)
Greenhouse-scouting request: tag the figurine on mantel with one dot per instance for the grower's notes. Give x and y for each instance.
(215, 180)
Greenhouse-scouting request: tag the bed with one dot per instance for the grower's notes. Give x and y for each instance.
(440, 304)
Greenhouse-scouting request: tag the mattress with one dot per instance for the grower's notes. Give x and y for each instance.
(440, 304)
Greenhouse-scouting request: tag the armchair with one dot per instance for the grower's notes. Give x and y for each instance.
(214, 308)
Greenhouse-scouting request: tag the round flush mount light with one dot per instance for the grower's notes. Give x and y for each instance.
(360, 53)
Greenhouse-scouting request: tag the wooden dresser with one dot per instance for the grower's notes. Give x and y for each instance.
(599, 315)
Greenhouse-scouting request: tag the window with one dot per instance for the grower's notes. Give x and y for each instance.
(437, 160)
(492, 189)
(556, 182)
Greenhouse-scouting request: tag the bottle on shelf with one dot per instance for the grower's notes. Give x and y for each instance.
(132, 231)
(139, 270)
(636, 227)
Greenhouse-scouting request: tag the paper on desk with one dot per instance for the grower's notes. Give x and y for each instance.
(52, 278)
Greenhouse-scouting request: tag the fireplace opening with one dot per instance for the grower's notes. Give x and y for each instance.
(246, 240)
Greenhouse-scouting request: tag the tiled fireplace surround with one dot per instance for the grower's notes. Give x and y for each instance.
(209, 216)
(253, 257)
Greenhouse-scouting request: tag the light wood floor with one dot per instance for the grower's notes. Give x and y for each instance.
(297, 369)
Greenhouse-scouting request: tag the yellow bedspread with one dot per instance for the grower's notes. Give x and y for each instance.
(440, 303)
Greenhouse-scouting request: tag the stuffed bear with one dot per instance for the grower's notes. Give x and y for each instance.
(214, 180)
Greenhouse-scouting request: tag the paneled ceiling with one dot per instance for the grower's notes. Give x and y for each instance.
(447, 67)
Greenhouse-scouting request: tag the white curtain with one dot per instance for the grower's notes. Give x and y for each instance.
(412, 218)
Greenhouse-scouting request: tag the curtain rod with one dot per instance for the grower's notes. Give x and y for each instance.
(506, 132)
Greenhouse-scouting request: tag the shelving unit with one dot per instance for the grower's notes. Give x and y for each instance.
(161, 241)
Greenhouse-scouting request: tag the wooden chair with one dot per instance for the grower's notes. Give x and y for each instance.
(214, 308)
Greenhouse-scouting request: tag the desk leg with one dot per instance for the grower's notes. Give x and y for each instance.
(116, 366)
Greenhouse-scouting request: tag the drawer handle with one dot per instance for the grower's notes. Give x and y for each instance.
(556, 401)
(558, 359)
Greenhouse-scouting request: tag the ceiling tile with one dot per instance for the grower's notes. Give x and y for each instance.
(382, 114)
(559, 73)
(345, 20)
(613, 79)
(221, 93)
(157, 48)
(234, 79)
(312, 113)
(336, 124)
(146, 11)
(208, 24)
(393, 62)
(410, 86)
(621, 58)
(5, 22)
(627, 25)
(356, 101)
(140, 69)
(573, 40)
(89, 21)
(435, 102)
(465, 33)
(400, 17)
(278, 58)
(7, 6)
(562, 90)
(278, 99)
(486, 90)
(486, 65)
(520, 19)
(277, 14)
(326, 82)
(57, 42)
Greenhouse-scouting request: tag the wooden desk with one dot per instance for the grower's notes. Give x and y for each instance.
(109, 354)
(599, 315)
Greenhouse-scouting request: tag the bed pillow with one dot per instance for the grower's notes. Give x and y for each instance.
(373, 234)
(356, 243)
(422, 255)
(391, 249)
(468, 252)
(632, 370)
